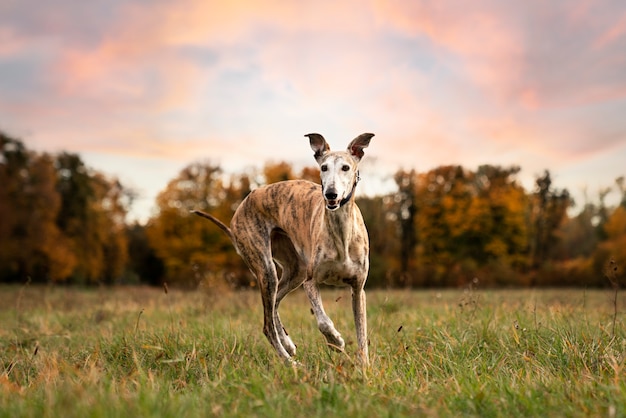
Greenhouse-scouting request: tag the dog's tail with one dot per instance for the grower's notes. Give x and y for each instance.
(216, 221)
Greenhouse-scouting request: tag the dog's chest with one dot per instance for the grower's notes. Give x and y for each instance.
(340, 267)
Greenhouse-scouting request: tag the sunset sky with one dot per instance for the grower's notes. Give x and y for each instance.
(140, 89)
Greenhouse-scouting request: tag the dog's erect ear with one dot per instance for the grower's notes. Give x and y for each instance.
(355, 148)
(319, 145)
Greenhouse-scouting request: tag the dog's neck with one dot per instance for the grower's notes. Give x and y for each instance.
(340, 227)
(340, 223)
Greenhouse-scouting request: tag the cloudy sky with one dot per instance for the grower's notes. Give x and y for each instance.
(142, 88)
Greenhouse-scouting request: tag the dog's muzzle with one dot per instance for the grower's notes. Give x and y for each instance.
(332, 200)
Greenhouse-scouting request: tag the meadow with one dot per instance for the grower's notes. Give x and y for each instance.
(137, 351)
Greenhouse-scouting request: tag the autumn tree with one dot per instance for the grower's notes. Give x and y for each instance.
(110, 206)
(443, 198)
(13, 168)
(310, 173)
(194, 250)
(613, 245)
(275, 172)
(464, 222)
(506, 198)
(92, 217)
(31, 245)
(404, 212)
(578, 235)
(497, 222)
(620, 182)
(380, 221)
(549, 209)
(75, 218)
(143, 263)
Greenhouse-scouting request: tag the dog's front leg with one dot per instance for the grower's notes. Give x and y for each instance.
(360, 321)
(324, 323)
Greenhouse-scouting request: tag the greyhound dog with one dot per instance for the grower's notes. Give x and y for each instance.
(316, 235)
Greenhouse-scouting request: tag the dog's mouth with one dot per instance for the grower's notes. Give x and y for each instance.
(332, 198)
(333, 204)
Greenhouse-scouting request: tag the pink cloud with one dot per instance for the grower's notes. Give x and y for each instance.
(613, 33)
(488, 45)
(525, 53)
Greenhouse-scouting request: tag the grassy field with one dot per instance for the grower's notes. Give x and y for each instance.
(143, 352)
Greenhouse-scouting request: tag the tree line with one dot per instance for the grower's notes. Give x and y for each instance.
(64, 222)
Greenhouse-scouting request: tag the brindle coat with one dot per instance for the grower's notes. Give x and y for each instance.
(316, 234)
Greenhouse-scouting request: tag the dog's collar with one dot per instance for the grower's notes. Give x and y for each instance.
(347, 198)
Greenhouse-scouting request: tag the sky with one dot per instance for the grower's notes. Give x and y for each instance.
(141, 89)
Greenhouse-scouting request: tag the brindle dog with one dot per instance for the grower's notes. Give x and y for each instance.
(316, 234)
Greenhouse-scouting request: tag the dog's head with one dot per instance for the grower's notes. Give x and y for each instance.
(339, 169)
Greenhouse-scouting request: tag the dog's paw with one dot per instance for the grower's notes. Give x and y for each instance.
(289, 346)
(335, 342)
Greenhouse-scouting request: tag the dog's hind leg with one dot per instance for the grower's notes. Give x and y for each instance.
(268, 282)
(293, 274)
(254, 248)
(285, 286)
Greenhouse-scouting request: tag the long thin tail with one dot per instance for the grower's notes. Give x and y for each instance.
(216, 221)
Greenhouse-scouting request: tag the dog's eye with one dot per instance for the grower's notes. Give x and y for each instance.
(324, 168)
(345, 167)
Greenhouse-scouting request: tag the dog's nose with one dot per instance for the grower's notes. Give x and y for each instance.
(331, 195)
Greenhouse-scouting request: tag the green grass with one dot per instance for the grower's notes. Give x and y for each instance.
(142, 352)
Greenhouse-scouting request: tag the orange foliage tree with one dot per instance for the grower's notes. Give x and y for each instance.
(613, 247)
(32, 246)
(193, 250)
(60, 220)
(455, 223)
(93, 217)
(548, 212)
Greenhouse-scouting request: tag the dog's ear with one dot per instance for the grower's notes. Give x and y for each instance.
(355, 148)
(319, 145)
